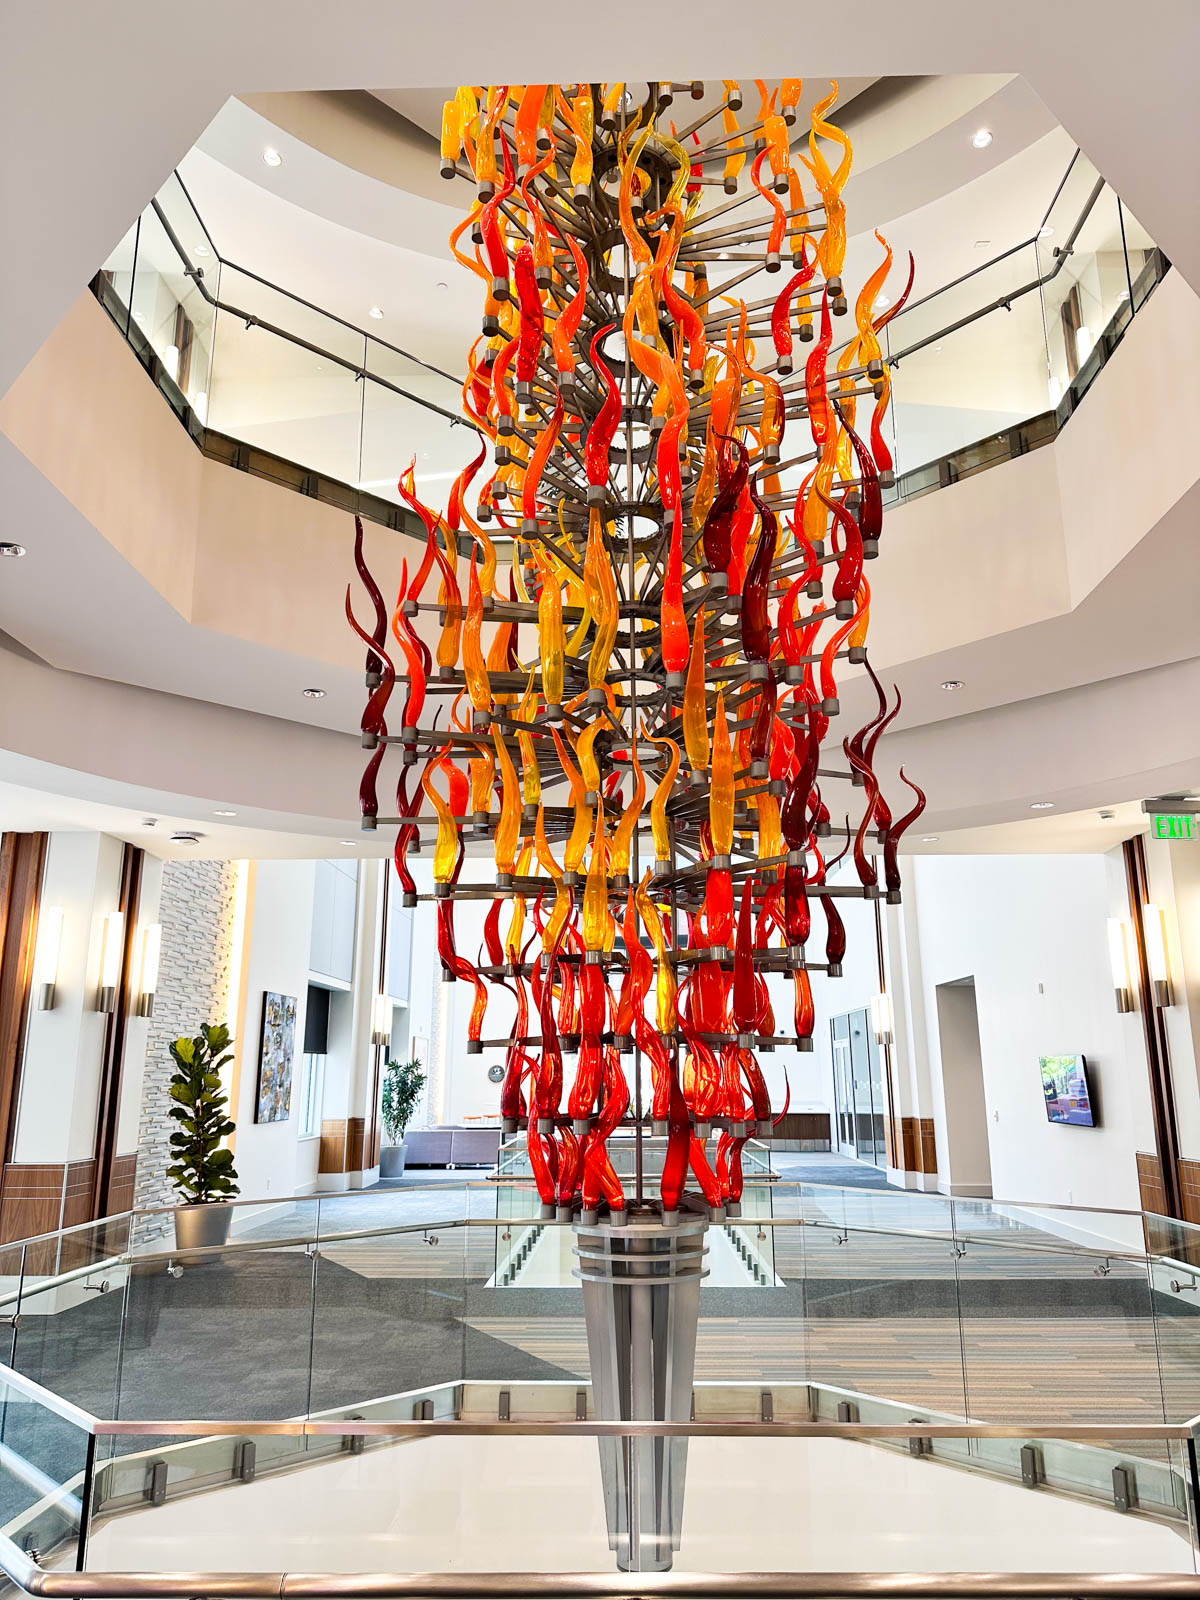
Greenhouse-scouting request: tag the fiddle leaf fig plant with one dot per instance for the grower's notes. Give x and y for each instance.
(402, 1085)
(202, 1168)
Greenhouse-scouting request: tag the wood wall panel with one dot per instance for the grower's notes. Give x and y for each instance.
(918, 1145)
(804, 1125)
(22, 859)
(343, 1144)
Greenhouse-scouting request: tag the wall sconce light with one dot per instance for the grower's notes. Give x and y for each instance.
(381, 1024)
(1118, 959)
(45, 956)
(881, 1016)
(112, 944)
(1155, 932)
(151, 950)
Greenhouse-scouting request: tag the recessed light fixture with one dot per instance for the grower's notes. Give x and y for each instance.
(442, 284)
(347, 841)
(981, 138)
(1041, 805)
(930, 838)
(883, 300)
(953, 683)
(313, 694)
(203, 250)
(186, 836)
(982, 244)
(937, 349)
(272, 157)
(224, 813)
(13, 551)
(1045, 230)
(376, 313)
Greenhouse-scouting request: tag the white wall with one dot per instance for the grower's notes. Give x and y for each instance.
(270, 1157)
(1031, 930)
(969, 1148)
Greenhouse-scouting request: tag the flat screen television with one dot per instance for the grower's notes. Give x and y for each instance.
(1065, 1086)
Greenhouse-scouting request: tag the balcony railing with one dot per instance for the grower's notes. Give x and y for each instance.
(985, 368)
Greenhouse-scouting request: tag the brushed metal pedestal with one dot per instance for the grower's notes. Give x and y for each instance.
(641, 1302)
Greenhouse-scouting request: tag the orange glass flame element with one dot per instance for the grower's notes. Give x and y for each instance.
(659, 825)
(600, 594)
(595, 889)
(582, 827)
(695, 709)
(531, 777)
(551, 639)
(720, 799)
(474, 671)
(508, 827)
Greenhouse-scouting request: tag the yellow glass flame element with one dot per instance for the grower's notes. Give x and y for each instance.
(551, 640)
(445, 851)
(665, 977)
(508, 827)
(474, 670)
(623, 835)
(595, 889)
(659, 825)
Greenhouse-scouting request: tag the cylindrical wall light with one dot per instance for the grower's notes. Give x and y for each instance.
(112, 944)
(1118, 960)
(148, 983)
(381, 1024)
(45, 956)
(881, 1016)
(1154, 926)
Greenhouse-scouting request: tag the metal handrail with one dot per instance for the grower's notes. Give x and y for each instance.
(36, 1580)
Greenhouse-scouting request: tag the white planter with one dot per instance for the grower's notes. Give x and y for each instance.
(391, 1160)
(202, 1225)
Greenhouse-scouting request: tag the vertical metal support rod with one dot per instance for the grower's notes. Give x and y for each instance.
(87, 1489)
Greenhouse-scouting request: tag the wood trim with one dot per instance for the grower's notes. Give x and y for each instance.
(112, 1060)
(22, 863)
(1158, 1057)
(918, 1145)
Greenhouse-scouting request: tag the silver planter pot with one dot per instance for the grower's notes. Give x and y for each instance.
(391, 1160)
(202, 1225)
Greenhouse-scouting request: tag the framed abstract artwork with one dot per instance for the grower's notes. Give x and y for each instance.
(277, 1048)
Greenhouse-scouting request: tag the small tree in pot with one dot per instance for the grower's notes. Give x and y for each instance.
(402, 1085)
(202, 1169)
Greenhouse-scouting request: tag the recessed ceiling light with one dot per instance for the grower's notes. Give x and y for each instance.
(186, 836)
(348, 841)
(883, 300)
(224, 813)
(272, 157)
(953, 683)
(936, 349)
(313, 694)
(981, 138)
(1042, 805)
(139, 317)
(442, 284)
(376, 313)
(13, 551)
(203, 250)
(930, 838)
(1045, 231)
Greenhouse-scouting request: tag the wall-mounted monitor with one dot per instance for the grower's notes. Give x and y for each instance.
(1068, 1094)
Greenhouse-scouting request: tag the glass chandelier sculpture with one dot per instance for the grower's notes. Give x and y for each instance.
(640, 632)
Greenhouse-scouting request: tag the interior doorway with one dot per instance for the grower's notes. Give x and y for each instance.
(860, 1110)
(967, 1160)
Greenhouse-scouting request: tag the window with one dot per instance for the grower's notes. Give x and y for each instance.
(311, 1090)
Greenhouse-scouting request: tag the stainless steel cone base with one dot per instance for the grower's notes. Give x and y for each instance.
(641, 1303)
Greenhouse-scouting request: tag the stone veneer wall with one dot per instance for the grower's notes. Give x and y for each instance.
(196, 911)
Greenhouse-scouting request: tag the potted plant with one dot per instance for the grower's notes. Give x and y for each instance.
(202, 1168)
(402, 1084)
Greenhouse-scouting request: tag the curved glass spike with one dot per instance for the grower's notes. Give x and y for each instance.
(660, 826)
(623, 834)
(695, 707)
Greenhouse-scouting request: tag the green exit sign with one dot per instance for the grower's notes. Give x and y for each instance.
(1172, 825)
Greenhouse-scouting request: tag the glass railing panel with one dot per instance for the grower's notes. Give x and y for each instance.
(171, 318)
(246, 296)
(220, 1332)
(1089, 297)
(1053, 1332)
(874, 1312)
(969, 386)
(116, 278)
(408, 413)
(70, 1314)
(1175, 1281)
(43, 1462)
(894, 1210)
(283, 398)
(1049, 1225)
